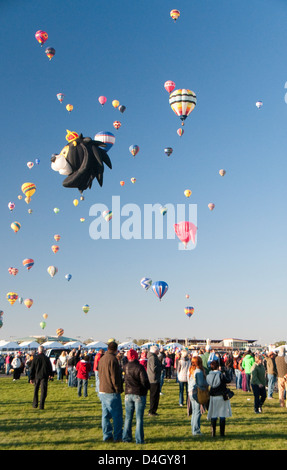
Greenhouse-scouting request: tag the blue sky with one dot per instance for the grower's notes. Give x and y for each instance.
(231, 54)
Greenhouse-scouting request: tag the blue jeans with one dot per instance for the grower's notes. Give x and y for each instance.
(195, 417)
(72, 377)
(238, 378)
(162, 378)
(271, 384)
(97, 381)
(82, 383)
(182, 386)
(134, 403)
(111, 409)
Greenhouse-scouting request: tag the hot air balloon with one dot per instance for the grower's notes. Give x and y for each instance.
(180, 131)
(182, 102)
(107, 138)
(115, 103)
(75, 202)
(20, 197)
(11, 206)
(30, 165)
(168, 151)
(57, 237)
(122, 183)
(28, 189)
(13, 271)
(28, 263)
(82, 219)
(69, 107)
(86, 308)
(11, 297)
(259, 104)
(189, 311)
(30, 211)
(160, 288)
(134, 149)
(222, 172)
(187, 193)
(15, 226)
(185, 231)
(42, 325)
(133, 180)
(68, 277)
(117, 124)
(169, 86)
(52, 270)
(56, 210)
(60, 97)
(41, 37)
(175, 14)
(163, 210)
(45, 316)
(50, 52)
(59, 332)
(211, 206)
(20, 300)
(107, 215)
(187, 296)
(102, 100)
(28, 303)
(146, 282)
(122, 108)
(55, 248)
(37, 161)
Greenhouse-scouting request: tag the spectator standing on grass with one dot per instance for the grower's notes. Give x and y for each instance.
(237, 369)
(83, 368)
(73, 359)
(98, 356)
(246, 365)
(154, 369)
(161, 357)
(111, 387)
(258, 382)
(41, 371)
(136, 388)
(8, 360)
(167, 364)
(281, 366)
(218, 407)
(182, 376)
(196, 379)
(16, 365)
(271, 373)
(143, 359)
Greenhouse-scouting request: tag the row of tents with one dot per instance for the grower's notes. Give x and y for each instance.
(6, 346)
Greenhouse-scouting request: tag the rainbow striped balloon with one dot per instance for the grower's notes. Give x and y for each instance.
(182, 102)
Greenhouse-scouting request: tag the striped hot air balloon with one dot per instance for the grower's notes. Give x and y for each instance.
(52, 270)
(175, 14)
(28, 263)
(160, 288)
(57, 237)
(28, 189)
(146, 282)
(189, 311)
(41, 37)
(182, 102)
(11, 297)
(50, 52)
(59, 332)
(107, 138)
(15, 226)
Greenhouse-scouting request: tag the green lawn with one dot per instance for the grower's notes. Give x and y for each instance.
(72, 423)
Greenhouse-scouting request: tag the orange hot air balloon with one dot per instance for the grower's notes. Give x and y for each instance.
(122, 183)
(45, 316)
(55, 248)
(28, 263)
(60, 332)
(28, 303)
(175, 14)
(211, 206)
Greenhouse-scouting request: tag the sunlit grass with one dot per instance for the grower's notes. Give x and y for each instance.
(70, 422)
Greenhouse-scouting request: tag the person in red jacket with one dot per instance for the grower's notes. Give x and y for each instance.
(83, 368)
(98, 356)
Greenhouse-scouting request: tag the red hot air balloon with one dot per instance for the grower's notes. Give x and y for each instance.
(185, 231)
(169, 86)
(102, 100)
(41, 36)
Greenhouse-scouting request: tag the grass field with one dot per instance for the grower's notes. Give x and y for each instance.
(69, 422)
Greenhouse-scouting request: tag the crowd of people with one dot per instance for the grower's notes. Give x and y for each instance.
(202, 376)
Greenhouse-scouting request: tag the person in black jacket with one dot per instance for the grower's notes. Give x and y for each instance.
(136, 388)
(41, 371)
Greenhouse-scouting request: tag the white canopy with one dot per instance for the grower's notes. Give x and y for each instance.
(52, 345)
(148, 345)
(173, 346)
(9, 345)
(74, 344)
(128, 345)
(29, 345)
(96, 345)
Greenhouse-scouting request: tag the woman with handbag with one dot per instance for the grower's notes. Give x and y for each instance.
(219, 404)
(196, 380)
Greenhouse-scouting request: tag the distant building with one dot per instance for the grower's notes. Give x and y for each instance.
(227, 343)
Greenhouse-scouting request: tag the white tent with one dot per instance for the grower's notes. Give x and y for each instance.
(96, 345)
(53, 345)
(148, 345)
(74, 344)
(29, 345)
(173, 346)
(128, 345)
(9, 345)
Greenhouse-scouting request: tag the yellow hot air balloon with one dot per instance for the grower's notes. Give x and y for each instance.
(75, 202)
(15, 226)
(28, 303)
(115, 103)
(222, 172)
(11, 297)
(182, 102)
(69, 107)
(60, 332)
(57, 237)
(28, 189)
(187, 193)
(55, 248)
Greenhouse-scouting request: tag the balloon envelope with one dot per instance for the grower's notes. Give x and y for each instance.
(28, 263)
(187, 193)
(211, 206)
(134, 149)
(45, 316)
(222, 172)
(28, 303)
(15, 226)
(160, 288)
(107, 138)
(59, 332)
(175, 14)
(52, 270)
(115, 103)
(182, 102)
(117, 124)
(60, 97)
(146, 282)
(185, 231)
(169, 86)
(41, 36)
(11, 206)
(107, 215)
(168, 151)
(57, 237)
(102, 100)
(11, 297)
(28, 189)
(189, 311)
(55, 248)
(86, 308)
(50, 52)
(68, 277)
(43, 325)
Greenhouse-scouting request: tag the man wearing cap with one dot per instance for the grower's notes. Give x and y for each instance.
(281, 367)
(111, 387)
(136, 388)
(154, 368)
